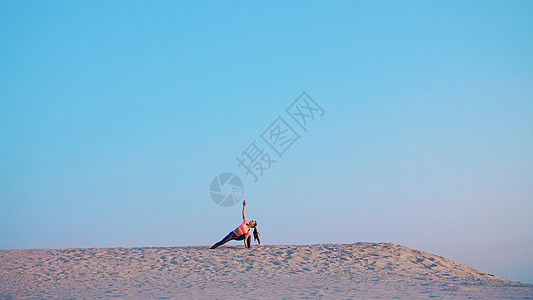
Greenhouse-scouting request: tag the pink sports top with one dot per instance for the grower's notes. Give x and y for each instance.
(242, 229)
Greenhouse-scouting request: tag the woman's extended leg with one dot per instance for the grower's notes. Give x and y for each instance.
(229, 237)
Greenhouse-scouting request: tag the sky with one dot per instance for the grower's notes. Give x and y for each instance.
(115, 117)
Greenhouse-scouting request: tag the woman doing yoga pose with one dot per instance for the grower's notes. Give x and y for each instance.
(242, 232)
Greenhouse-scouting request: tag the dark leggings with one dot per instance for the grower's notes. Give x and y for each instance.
(229, 237)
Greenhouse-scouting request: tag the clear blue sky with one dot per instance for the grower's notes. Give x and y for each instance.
(115, 117)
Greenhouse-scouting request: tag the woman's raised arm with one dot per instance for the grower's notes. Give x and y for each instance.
(244, 209)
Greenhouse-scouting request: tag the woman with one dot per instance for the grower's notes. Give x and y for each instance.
(242, 232)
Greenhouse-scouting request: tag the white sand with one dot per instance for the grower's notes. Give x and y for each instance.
(361, 270)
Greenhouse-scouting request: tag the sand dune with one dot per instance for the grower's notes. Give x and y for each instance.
(360, 270)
